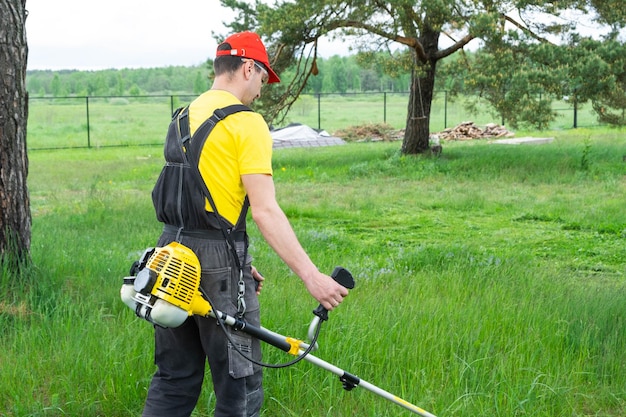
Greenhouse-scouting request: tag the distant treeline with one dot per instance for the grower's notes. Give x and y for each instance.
(336, 75)
(117, 82)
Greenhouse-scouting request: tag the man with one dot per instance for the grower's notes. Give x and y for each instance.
(235, 161)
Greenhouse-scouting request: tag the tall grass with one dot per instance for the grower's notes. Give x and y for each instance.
(490, 281)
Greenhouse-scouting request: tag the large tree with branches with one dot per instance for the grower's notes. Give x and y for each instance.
(15, 217)
(294, 28)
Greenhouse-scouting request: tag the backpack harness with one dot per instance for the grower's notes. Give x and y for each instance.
(179, 193)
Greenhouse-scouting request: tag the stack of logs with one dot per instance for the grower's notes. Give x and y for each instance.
(469, 130)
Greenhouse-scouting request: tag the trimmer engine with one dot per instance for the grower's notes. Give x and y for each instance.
(164, 286)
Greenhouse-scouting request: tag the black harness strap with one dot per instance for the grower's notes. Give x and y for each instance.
(192, 147)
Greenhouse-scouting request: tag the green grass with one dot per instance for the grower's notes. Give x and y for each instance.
(490, 281)
(123, 121)
(341, 111)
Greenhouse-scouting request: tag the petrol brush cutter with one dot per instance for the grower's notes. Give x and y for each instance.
(164, 289)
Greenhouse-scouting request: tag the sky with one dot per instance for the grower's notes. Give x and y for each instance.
(92, 35)
(79, 34)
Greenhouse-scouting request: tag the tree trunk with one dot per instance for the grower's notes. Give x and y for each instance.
(416, 135)
(15, 216)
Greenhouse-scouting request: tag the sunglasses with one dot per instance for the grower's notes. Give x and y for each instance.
(266, 75)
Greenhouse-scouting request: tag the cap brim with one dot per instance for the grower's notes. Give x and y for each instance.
(273, 78)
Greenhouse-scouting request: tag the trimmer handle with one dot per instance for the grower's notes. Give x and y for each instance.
(342, 276)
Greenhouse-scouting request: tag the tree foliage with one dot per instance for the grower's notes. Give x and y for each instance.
(611, 105)
(337, 73)
(520, 38)
(112, 82)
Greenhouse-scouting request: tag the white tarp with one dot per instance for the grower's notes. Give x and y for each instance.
(302, 136)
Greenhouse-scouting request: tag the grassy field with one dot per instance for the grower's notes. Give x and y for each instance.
(490, 281)
(119, 121)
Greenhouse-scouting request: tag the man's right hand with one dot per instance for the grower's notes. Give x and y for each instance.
(326, 290)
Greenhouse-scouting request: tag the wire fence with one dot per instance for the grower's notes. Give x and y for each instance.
(104, 121)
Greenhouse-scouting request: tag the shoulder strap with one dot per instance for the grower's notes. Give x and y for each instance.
(193, 146)
(204, 130)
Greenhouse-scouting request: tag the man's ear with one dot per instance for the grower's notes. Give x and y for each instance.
(247, 70)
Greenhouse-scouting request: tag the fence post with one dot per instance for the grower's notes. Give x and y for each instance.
(445, 109)
(171, 104)
(319, 110)
(575, 113)
(88, 127)
(385, 107)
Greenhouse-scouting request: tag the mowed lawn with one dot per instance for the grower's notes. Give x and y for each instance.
(489, 281)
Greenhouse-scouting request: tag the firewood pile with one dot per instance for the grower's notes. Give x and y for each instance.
(469, 130)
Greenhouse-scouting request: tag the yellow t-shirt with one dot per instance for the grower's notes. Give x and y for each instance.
(238, 145)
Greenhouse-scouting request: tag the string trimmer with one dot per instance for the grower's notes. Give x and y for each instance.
(164, 289)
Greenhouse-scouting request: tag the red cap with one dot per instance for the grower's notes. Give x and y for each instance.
(249, 45)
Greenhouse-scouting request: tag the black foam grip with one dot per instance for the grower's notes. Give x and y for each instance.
(343, 277)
